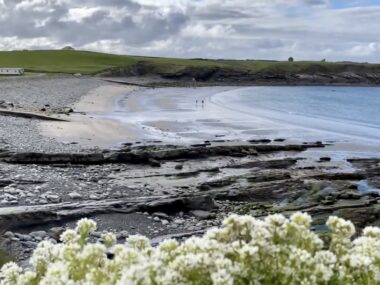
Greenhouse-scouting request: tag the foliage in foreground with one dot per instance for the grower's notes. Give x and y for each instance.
(244, 250)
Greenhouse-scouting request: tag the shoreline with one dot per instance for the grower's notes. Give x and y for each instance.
(112, 115)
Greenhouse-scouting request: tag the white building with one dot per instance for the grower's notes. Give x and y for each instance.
(11, 71)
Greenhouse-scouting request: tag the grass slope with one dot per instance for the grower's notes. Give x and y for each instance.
(59, 61)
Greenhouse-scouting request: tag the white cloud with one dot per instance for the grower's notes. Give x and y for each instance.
(212, 31)
(15, 43)
(79, 14)
(365, 49)
(305, 29)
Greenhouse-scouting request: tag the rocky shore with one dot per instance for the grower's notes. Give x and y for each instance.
(156, 189)
(175, 191)
(42, 96)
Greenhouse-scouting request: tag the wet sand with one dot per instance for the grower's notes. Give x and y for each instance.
(86, 128)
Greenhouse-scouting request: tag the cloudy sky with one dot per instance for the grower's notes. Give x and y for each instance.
(265, 29)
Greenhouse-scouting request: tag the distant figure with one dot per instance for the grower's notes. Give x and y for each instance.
(203, 103)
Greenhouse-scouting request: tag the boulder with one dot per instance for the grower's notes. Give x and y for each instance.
(56, 232)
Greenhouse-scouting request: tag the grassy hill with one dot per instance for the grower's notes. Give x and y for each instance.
(60, 61)
(85, 62)
(63, 61)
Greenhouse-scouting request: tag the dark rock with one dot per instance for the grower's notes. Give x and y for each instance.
(175, 205)
(267, 164)
(154, 163)
(271, 176)
(58, 158)
(324, 194)
(147, 155)
(200, 203)
(179, 167)
(350, 195)
(361, 217)
(260, 141)
(325, 159)
(340, 176)
(56, 232)
(218, 183)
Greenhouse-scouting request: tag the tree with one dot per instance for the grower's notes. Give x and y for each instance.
(68, 48)
(291, 59)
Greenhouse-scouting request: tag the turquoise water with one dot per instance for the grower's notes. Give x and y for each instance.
(347, 118)
(360, 105)
(344, 111)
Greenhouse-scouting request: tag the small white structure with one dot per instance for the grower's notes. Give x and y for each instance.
(11, 71)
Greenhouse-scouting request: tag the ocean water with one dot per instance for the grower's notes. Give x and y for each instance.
(341, 112)
(348, 118)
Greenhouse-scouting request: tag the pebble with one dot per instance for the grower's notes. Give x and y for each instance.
(204, 215)
(94, 197)
(179, 221)
(39, 235)
(160, 215)
(53, 198)
(9, 234)
(75, 195)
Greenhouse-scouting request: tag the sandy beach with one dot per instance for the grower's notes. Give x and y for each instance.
(86, 127)
(112, 115)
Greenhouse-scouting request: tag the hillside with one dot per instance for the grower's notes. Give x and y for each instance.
(92, 63)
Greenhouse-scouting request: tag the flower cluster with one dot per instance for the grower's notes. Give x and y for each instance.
(245, 250)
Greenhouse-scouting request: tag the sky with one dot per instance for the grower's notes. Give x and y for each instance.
(334, 30)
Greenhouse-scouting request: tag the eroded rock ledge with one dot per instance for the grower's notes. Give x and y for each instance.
(151, 155)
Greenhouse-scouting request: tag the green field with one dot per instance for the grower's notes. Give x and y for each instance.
(60, 61)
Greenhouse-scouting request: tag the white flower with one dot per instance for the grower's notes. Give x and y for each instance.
(85, 227)
(57, 274)
(360, 261)
(10, 273)
(341, 227)
(373, 232)
(138, 242)
(69, 236)
(301, 219)
(244, 251)
(109, 239)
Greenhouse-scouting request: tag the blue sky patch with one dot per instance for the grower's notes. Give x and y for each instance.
(339, 4)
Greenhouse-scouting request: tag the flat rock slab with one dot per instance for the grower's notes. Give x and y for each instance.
(30, 115)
